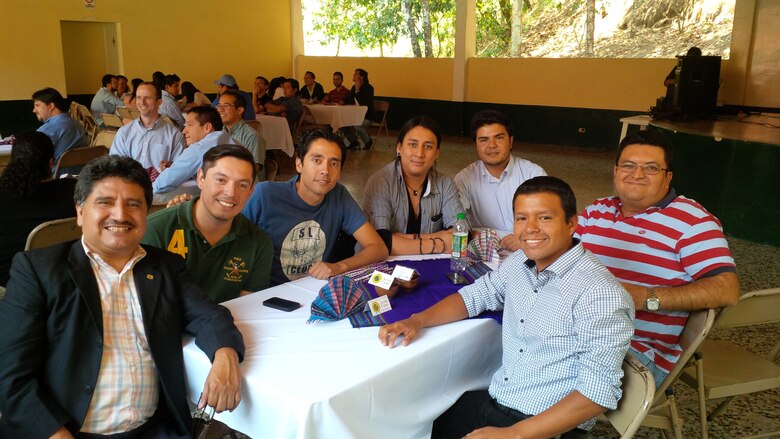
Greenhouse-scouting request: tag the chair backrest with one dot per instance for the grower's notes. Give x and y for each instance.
(168, 119)
(124, 112)
(695, 331)
(380, 109)
(53, 232)
(79, 157)
(256, 125)
(638, 394)
(135, 113)
(104, 138)
(88, 121)
(74, 110)
(755, 308)
(111, 121)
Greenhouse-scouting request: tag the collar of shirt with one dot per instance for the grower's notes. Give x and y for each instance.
(665, 201)
(561, 265)
(430, 187)
(96, 259)
(55, 118)
(507, 171)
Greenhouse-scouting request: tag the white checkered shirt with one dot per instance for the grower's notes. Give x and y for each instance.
(565, 329)
(127, 388)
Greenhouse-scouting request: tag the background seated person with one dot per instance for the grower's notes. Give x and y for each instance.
(29, 196)
(129, 98)
(361, 93)
(193, 96)
(305, 215)
(289, 105)
(312, 91)
(408, 202)
(65, 133)
(202, 131)
(339, 92)
(226, 254)
(260, 95)
(565, 332)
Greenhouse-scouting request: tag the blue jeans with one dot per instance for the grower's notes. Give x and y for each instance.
(658, 374)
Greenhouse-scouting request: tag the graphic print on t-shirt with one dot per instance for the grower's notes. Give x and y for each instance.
(303, 246)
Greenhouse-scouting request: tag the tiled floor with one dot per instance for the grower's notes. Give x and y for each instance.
(589, 174)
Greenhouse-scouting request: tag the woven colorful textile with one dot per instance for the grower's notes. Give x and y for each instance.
(433, 287)
(484, 247)
(340, 297)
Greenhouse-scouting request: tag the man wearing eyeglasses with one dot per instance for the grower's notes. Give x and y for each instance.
(666, 249)
(231, 109)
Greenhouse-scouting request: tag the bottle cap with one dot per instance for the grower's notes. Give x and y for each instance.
(461, 216)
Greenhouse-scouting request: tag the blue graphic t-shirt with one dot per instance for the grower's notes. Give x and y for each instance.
(302, 234)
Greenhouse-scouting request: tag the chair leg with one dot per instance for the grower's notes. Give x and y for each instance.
(719, 409)
(675, 417)
(699, 363)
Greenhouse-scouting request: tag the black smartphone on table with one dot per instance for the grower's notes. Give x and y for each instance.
(281, 304)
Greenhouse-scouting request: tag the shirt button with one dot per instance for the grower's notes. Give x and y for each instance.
(536, 291)
(87, 389)
(521, 351)
(506, 379)
(522, 321)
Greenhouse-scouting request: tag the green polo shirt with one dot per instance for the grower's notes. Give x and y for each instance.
(240, 261)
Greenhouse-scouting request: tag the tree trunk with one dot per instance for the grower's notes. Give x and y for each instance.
(426, 18)
(412, 30)
(590, 27)
(517, 28)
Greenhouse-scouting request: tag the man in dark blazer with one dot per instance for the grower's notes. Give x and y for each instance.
(68, 305)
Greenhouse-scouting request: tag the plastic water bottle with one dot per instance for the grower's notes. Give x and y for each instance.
(460, 238)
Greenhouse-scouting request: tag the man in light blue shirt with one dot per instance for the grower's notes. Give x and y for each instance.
(149, 139)
(231, 110)
(105, 101)
(566, 327)
(487, 186)
(169, 106)
(65, 133)
(202, 131)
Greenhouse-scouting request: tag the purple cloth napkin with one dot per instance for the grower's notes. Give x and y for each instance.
(433, 287)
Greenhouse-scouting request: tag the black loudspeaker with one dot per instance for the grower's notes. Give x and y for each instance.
(696, 85)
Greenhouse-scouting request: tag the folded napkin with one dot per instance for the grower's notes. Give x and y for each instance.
(484, 247)
(339, 298)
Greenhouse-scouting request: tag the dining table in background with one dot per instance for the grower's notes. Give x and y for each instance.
(276, 133)
(338, 116)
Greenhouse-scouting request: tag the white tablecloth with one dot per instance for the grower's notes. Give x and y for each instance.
(328, 380)
(276, 133)
(338, 116)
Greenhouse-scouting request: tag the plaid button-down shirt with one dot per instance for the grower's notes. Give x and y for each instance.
(127, 389)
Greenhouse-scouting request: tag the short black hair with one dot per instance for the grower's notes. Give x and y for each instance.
(108, 166)
(339, 74)
(490, 117)
(693, 51)
(553, 185)
(238, 98)
(309, 72)
(236, 151)
(207, 114)
(107, 78)
(49, 95)
(136, 82)
(263, 78)
(363, 74)
(31, 155)
(294, 83)
(326, 134)
(420, 121)
(171, 79)
(648, 137)
(121, 77)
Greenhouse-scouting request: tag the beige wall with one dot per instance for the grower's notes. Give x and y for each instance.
(187, 37)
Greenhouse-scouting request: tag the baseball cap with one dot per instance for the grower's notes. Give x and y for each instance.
(226, 79)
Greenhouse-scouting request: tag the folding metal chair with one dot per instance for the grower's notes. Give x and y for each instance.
(111, 121)
(78, 157)
(53, 232)
(731, 370)
(638, 393)
(380, 108)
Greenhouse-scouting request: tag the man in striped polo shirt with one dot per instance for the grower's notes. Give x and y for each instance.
(667, 250)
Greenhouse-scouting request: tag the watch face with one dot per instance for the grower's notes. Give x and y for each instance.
(653, 304)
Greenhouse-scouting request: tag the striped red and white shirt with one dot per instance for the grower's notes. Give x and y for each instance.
(670, 244)
(127, 388)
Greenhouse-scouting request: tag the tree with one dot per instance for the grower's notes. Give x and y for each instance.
(590, 27)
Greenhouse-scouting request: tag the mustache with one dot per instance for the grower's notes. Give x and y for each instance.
(119, 224)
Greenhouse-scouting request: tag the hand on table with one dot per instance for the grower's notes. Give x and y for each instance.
(222, 389)
(510, 242)
(324, 270)
(179, 199)
(409, 328)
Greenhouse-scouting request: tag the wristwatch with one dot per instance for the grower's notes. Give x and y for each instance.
(652, 303)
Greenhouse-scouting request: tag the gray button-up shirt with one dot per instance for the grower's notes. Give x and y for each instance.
(386, 201)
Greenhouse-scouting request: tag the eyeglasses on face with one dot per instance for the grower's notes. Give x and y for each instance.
(648, 169)
(225, 106)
